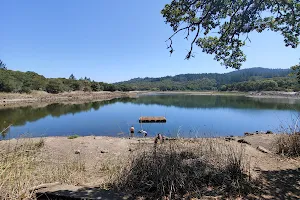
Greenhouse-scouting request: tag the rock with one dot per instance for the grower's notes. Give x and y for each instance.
(243, 141)
(262, 149)
(77, 152)
(259, 132)
(130, 150)
(104, 151)
(248, 134)
(229, 139)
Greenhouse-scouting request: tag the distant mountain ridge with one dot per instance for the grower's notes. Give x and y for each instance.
(205, 81)
(236, 76)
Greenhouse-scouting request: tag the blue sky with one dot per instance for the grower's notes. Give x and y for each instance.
(111, 41)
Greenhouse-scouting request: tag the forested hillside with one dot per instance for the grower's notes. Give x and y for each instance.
(16, 81)
(253, 79)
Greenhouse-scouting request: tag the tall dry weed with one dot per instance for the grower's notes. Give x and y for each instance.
(23, 167)
(180, 168)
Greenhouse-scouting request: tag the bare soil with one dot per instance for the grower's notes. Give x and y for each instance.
(40, 97)
(263, 94)
(279, 175)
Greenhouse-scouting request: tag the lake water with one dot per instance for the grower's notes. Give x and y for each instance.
(187, 116)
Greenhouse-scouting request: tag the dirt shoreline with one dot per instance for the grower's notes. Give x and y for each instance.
(37, 98)
(97, 153)
(95, 148)
(263, 94)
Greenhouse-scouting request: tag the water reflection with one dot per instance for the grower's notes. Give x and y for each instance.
(20, 116)
(119, 113)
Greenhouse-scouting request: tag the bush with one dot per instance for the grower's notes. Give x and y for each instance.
(223, 88)
(87, 89)
(54, 87)
(10, 85)
(73, 136)
(95, 86)
(289, 145)
(124, 88)
(175, 171)
(25, 90)
(75, 85)
(110, 87)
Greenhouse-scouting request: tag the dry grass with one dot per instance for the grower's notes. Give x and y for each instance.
(289, 145)
(176, 168)
(180, 169)
(22, 168)
(289, 142)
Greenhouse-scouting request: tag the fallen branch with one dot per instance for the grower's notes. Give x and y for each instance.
(31, 190)
(5, 129)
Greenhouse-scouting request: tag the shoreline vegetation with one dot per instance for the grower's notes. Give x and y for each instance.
(41, 98)
(234, 167)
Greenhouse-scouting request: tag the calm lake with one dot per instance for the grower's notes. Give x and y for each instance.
(187, 116)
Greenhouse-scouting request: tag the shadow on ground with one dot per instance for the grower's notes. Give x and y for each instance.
(279, 185)
(283, 184)
(81, 193)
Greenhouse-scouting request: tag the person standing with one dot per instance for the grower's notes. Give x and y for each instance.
(132, 131)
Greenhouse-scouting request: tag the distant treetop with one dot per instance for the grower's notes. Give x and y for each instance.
(2, 65)
(72, 77)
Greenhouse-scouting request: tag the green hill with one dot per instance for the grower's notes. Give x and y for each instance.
(252, 79)
(16, 81)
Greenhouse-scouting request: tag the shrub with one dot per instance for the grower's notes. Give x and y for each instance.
(223, 88)
(10, 85)
(75, 85)
(25, 90)
(289, 145)
(175, 171)
(54, 87)
(73, 136)
(95, 86)
(87, 89)
(110, 87)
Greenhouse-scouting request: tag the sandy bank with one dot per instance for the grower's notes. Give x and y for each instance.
(263, 94)
(94, 149)
(38, 97)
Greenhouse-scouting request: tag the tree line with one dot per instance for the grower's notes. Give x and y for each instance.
(25, 82)
(254, 79)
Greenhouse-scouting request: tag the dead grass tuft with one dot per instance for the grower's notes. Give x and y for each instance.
(289, 145)
(184, 169)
